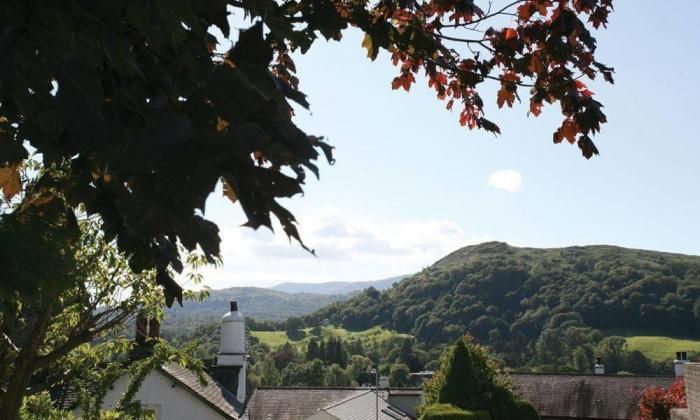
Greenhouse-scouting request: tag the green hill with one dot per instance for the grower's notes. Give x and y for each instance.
(300, 341)
(538, 308)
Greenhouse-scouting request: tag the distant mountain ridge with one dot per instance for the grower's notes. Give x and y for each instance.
(254, 302)
(337, 287)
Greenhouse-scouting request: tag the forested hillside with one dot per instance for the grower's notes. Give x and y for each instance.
(254, 302)
(538, 308)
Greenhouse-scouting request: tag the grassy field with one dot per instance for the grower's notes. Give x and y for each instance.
(655, 346)
(661, 348)
(278, 338)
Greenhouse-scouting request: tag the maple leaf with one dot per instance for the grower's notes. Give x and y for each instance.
(369, 44)
(228, 191)
(489, 126)
(406, 81)
(505, 96)
(525, 11)
(536, 65)
(535, 108)
(221, 124)
(567, 131)
(10, 180)
(510, 33)
(587, 146)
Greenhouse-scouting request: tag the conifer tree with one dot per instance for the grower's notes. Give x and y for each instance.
(312, 350)
(322, 351)
(468, 378)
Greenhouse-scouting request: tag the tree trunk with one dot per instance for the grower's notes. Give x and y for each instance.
(12, 400)
(24, 366)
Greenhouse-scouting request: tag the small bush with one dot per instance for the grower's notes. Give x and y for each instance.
(450, 412)
(525, 411)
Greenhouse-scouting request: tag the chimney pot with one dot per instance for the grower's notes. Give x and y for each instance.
(599, 368)
(678, 364)
(231, 367)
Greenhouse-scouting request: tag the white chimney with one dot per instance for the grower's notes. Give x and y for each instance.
(599, 368)
(679, 363)
(230, 369)
(383, 382)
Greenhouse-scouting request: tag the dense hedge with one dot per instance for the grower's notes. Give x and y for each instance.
(450, 412)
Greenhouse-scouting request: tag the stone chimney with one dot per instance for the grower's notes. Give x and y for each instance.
(679, 363)
(230, 367)
(599, 368)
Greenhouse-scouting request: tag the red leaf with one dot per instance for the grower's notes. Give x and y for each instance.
(505, 96)
(567, 131)
(509, 33)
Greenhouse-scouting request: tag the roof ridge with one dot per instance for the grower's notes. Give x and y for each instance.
(606, 375)
(320, 388)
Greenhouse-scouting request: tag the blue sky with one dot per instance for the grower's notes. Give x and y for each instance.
(411, 185)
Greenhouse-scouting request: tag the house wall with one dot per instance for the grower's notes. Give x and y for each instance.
(691, 376)
(169, 400)
(406, 403)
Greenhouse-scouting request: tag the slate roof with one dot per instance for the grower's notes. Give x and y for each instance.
(212, 394)
(363, 406)
(601, 397)
(293, 403)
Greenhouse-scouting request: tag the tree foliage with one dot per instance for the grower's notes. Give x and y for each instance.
(146, 113)
(469, 378)
(450, 412)
(42, 329)
(656, 403)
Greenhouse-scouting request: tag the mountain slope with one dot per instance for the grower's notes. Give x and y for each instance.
(254, 302)
(535, 306)
(337, 287)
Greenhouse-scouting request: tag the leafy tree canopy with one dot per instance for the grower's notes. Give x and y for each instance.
(469, 378)
(46, 335)
(146, 116)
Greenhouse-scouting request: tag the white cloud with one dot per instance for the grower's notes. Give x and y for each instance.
(506, 179)
(348, 248)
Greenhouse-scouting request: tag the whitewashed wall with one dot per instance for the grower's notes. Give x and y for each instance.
(169, 400)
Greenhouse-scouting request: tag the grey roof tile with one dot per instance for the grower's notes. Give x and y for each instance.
(293, 403)
(364, 406)
(608, 397)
